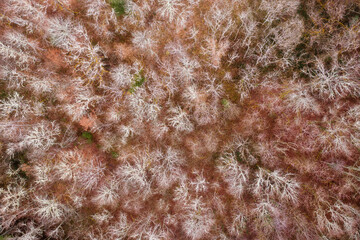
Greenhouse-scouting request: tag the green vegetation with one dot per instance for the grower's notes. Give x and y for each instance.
(88, 136)
(119, 7)
(238, 157)
(3, 94)
(4, 237)
(114, 154)
(138, 81)
(225, 103)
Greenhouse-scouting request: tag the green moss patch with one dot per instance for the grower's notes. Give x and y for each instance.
(88, 136)
(119, 7)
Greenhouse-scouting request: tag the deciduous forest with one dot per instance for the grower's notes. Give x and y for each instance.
(180, 119)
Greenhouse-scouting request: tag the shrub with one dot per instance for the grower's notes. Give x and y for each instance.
(41, 136)
(234, 174)
(276, 184)
(169, 8)
(107, 195)
(49, 210)
(198, 220)
(180, 120)
(15, 106)
(133, 176)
